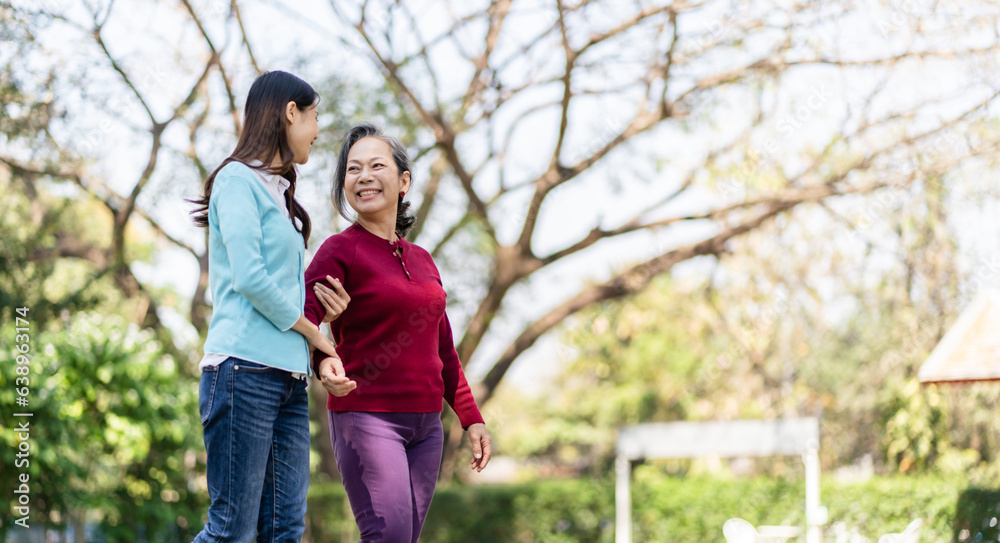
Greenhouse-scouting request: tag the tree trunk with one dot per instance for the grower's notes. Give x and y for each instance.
(76, 522)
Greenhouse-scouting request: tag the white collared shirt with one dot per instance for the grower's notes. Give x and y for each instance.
(275, 185)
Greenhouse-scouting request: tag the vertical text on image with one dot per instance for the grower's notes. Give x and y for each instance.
(22, 430)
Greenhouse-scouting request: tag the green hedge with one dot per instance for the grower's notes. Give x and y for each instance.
(672, 509)
(977, 516)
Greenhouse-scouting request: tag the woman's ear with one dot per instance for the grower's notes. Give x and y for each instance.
(291, 110)
(405, 178)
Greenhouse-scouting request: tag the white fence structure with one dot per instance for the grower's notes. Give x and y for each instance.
(790, 436)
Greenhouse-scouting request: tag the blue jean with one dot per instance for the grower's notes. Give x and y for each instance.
(256, 426)
(389, 463)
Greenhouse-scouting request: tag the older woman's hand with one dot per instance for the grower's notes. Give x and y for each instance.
(334, 300)
(333, 379)
(482, 445)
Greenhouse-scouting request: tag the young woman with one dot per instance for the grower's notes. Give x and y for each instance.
(399, 358)
(252, 398)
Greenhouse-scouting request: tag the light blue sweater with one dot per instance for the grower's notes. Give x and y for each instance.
(256, 274)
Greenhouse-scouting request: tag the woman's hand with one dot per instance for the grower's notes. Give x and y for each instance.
(314, 336)
(334, 301)
(333, 378)
(482, 446)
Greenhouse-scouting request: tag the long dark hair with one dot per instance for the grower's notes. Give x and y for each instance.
(403, 164)
(264, 135)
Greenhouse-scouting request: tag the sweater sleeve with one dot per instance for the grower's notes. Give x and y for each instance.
(239, 223)
(456, 389)
(333, 258)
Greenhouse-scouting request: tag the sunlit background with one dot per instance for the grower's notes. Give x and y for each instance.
(643, 212)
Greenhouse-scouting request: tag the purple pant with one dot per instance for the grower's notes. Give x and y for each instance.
(389, 463)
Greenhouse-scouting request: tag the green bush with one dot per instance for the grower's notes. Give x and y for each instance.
(976, 515)
(328, 517)
(115, 442)
(883, 505)
(667, 509)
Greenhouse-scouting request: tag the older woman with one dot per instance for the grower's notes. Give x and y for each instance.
(399, 358)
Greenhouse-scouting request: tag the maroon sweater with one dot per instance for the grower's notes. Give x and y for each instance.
(394, 337)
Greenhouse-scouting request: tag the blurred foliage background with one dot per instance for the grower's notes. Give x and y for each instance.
(698, 211)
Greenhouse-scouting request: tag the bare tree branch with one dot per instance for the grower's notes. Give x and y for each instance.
(428, 196)
(567, 91)
(68, 245)
(227, 82)
(121, 71)
(450, 233)
(497, 11)
(246, 41)
(635, 279)
(422, 54)
(638, 277)
(443, 133)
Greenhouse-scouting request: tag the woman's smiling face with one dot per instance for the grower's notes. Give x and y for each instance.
(372, 182)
